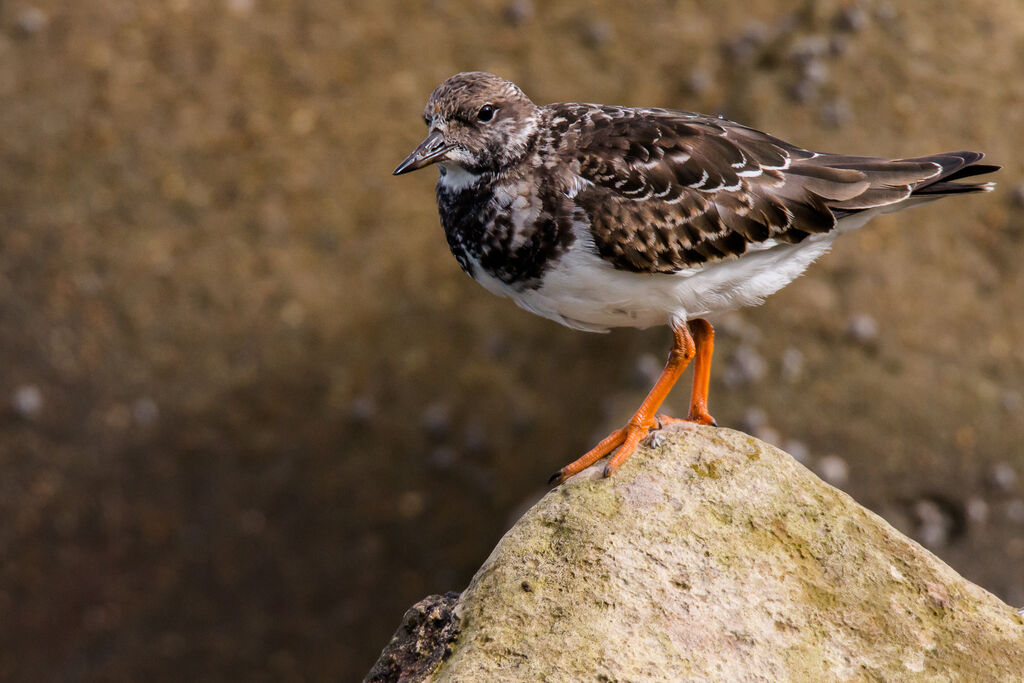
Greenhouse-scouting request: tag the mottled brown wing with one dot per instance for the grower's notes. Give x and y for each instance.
(665, 190)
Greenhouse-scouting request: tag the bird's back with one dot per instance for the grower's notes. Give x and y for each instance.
(666, 190)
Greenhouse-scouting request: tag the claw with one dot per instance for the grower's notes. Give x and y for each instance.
(702, 418)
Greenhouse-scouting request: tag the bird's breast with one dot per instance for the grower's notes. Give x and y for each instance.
(509, 231)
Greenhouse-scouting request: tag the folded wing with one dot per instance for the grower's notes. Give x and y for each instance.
(666, 190)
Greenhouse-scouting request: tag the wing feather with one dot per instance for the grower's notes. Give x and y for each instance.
(666, 190)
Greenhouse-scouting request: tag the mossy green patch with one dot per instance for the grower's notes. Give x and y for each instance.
(708, 469)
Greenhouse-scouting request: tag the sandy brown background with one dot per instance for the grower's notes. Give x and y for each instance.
(250, 409)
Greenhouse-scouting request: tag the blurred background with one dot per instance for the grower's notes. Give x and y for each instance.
(251, 409)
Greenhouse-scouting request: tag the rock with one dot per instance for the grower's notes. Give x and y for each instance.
(745, 366)
(698, 82)
(862, 328)
(145, 411)
(27, 401)
(362, 410)
(241, 7)
(851, 19)
(792, 365)
(1015, 511)
(1013, 401)
(710, 556)
(519, 12)
(935, 522)
(835, 113)
(798, 450)
(436, 420)
(743, 49)
(1017, 195)
(420, 643)
(646, 370)
(30, 21)
(977, 510)
(597, 33)
(1002, 477)
(808, 50)
(753, 419)
(443, 457)
(833, 469)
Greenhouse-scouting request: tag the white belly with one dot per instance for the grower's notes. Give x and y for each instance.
(584, 291)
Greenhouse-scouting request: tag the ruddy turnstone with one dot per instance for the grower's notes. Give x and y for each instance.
(599, 216)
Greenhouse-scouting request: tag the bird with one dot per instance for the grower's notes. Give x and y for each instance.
(599, 216)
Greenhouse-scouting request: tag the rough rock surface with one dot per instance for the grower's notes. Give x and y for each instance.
(712, 555)
(422, 641)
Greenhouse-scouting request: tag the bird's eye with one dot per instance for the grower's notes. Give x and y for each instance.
(486, 113)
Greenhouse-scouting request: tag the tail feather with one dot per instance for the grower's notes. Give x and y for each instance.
(976, 169)
(894, 184)
(942, 188)
(955, 166)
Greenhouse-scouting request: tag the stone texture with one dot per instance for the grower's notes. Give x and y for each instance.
(420, 643)
(713, 556)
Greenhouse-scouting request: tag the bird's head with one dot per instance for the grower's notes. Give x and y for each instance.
(478, 122)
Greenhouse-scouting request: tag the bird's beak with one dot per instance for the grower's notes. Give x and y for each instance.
(429, 151)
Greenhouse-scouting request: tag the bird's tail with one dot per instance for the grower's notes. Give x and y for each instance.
(888, 185)
(955, 166)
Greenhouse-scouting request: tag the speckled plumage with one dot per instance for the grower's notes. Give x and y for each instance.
(600, 216)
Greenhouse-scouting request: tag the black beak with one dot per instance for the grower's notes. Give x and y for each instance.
(429, 151)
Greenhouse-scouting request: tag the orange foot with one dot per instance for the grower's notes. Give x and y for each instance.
(626, 440)
(700, 416)
(684, 349)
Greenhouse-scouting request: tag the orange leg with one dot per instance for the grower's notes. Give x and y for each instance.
(645, 419)
(704, 338)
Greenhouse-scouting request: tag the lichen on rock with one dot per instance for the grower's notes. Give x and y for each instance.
(713, 556)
